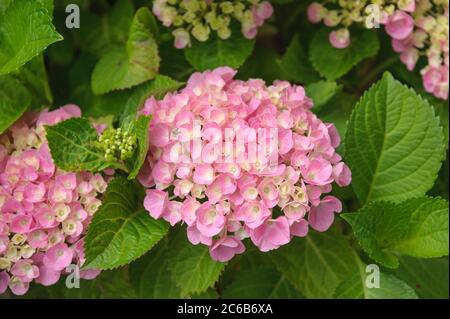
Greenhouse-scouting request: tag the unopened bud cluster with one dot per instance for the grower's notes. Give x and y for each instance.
(201, 17)
(417, 28)
(117, 144)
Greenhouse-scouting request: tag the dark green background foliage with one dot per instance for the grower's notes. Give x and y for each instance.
(395, 212)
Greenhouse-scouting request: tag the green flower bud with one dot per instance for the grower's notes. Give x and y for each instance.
(224, 33)
(200, 32)
(227, 7)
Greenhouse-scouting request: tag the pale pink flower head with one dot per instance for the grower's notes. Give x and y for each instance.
(44, 211)
(240, 159)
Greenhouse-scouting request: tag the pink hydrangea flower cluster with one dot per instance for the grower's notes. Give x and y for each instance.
(200, 169)
(417, 28)
(44, 211)
(198, 18)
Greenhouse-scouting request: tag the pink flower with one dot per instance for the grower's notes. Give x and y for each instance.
(318, 172)
(21, 224)
(18, 286)
(155, 202)
(232, 152)
(68, 181)
(342, 174)
(25, 270)
(58, 257)
(316, 12)
(226, 248)
(409, 58)
(48, 275)
(42, 208)
(172, 213)
(4, 279)
(34, 193)
(400, 25)
(340, 39)
(196, 237)
(436, 81)
(189, 209)
(322, 216)
(253, 214)
(210, 221)
(272, 234)
(54, 117)
(182, 38)
(299, 228)
(203, 174)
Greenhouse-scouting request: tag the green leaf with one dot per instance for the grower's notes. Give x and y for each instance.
(394, 143)
(121, 231)
(156, 88)
(4, 4)
(296, 65)
(33, 76)
(150, 275)
(73, 146)
(217, 52)
(14, 101)
(25, 31)
(333, 63)
(316, 264)
(417, 227)
(264, 282)
(429, 277)
(140, 129)
(123, 68)
(193, 269)
(322, 92)
(101, 33)
(390, 287)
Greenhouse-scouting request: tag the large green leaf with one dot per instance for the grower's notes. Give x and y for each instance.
(123, 68)
(264, 282)
(394, 143)
(191, 266)
(150, 275)
(33, 76)
(73, 145)
(429, 277)
(217, 52)
(121, 231)
(317, 263)
(296, 65)
(333, 63)
(100, 33)
(156, 88)
(390, 287)
(26, 29)
(322, 92)
(140, 130)
(417, 227)
(14, 101)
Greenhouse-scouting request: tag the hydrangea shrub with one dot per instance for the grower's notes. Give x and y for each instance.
(224, 149)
